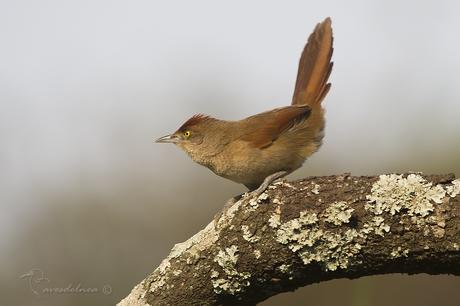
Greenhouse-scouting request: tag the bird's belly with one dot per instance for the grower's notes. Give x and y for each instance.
(250, 166)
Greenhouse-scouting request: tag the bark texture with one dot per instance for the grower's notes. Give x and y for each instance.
(312, 230)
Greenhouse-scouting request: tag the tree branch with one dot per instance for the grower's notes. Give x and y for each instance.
(312, 230)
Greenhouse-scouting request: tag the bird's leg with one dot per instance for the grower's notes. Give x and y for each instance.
(254, 193)
(267, 181)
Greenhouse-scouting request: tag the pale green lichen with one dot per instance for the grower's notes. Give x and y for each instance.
(274, 220)
(285, 268)
(177, 272)
(435, 225)
(164, 265)
(334, 250)
(254, 202)
(441, 223)
(228, 257)
(161, 279)
(158, 284)
(399, 252)
(454, 189)
(295, 232)
(234, 281)
(335, 247)
(192, 259)
(417, 197)
(214, 274)
(338, 213)
(392, 193)
(315, 189)
(303, 236)
(248, 236)
(376, 225)
(438, 232)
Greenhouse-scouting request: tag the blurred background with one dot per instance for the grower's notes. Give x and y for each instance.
(87, 199)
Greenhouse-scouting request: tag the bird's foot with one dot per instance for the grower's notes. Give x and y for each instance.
(268, 180)
(252, 194)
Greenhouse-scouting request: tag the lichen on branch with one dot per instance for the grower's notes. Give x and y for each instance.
(312, 230)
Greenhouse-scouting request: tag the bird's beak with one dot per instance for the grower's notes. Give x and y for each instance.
(168, 139)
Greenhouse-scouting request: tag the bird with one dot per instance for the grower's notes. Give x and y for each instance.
(262, 148)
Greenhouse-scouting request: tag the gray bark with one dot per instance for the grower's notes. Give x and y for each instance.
(312, 230)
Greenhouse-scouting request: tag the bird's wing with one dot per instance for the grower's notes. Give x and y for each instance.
(264, 128)
(315, 67)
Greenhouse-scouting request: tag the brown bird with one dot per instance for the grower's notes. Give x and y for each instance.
(259, 149)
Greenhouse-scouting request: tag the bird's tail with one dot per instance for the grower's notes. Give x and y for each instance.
(315, 66)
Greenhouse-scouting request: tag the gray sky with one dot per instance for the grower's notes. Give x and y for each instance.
(86, 85)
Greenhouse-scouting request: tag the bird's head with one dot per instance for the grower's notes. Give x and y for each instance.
(195, 136)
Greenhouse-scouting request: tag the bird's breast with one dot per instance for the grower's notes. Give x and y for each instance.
(243, 163)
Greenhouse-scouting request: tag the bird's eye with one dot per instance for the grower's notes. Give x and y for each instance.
(187, 134)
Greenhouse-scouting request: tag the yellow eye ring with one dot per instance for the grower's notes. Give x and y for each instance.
(187, 134)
